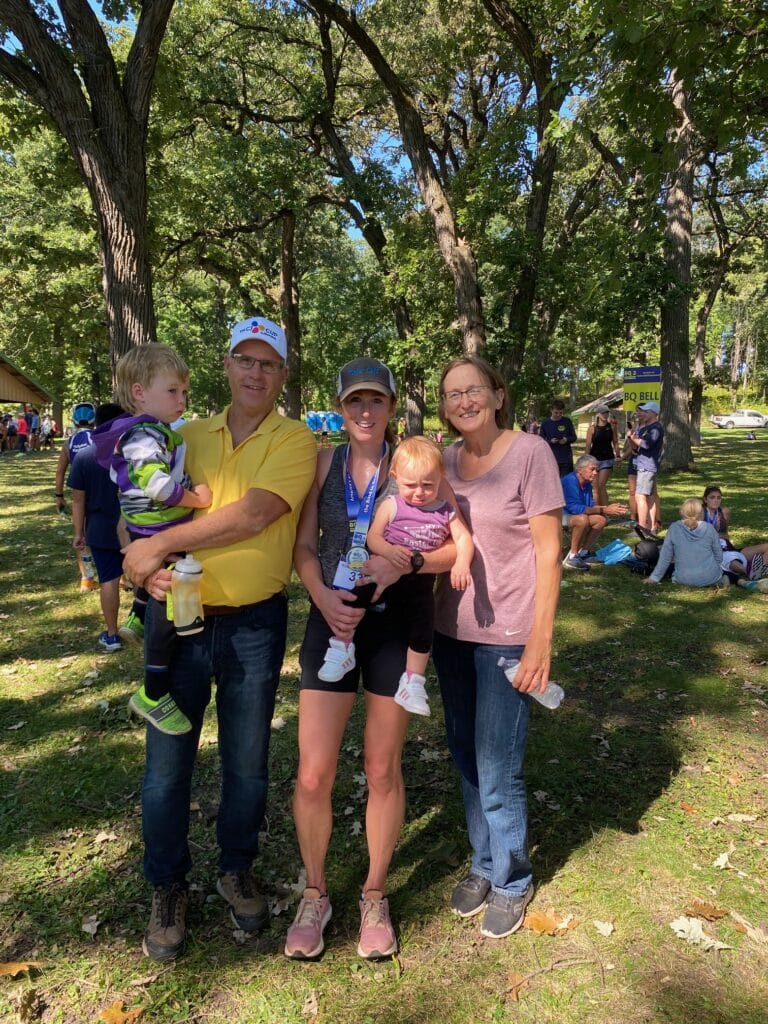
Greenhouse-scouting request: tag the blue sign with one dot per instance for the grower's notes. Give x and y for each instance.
(642, 374)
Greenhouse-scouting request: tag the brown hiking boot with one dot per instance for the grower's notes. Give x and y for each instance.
(247, 907)
(166, 934)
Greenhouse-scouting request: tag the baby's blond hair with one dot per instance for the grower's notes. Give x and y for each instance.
(140, 365)
(419, 452)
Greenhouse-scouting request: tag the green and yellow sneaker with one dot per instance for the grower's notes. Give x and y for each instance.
(163, 714)
(132, 630)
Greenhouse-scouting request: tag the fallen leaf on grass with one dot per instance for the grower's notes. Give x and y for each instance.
(310, 1009)
(356, 828)
(688, 808)
(548, 924)
(18, 725)
(742, 817)
(692, 930)
(17, 967)
(141, 982)
(756, 934)
(708, 911)
(105, 837)
(515, 984)
(278, 723)
(605, 928)
(90, 924)
(115, 1014)
(722, 862)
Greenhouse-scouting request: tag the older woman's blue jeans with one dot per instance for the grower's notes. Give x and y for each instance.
(243, 652)
(486, 722)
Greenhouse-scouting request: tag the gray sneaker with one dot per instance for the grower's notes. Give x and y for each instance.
(166, 934)
(468, 898)
(574, 562)
(248, 908)
(504, 914)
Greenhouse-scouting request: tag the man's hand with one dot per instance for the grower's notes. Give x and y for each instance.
(78, 542)
(142, 558)
(158, 584)
(615, 509)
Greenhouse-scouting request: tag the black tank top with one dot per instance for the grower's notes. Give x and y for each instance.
(335, 537)
(602, 442)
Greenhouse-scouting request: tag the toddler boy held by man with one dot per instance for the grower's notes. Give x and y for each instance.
(145, 456)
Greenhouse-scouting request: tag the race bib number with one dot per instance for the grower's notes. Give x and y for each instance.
(346, 577)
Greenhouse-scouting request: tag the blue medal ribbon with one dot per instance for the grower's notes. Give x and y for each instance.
(360, 510)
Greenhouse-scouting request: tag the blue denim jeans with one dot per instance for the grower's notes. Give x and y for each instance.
(486, 722)
(243, 653)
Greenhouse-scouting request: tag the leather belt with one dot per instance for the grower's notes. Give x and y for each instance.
(224, 609)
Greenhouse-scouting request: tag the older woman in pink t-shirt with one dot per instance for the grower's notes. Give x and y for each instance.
(507, 487)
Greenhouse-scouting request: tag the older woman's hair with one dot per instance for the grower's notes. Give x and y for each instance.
(494, 380)
(691, 512)
(585, 460)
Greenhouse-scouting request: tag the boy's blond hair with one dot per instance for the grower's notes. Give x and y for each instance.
(417, 451)
(140, 365)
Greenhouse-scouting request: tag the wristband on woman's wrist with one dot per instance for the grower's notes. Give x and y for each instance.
(58, 495)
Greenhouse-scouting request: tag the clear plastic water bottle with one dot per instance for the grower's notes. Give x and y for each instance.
(186, 578)
(88, 566)
(551, 698)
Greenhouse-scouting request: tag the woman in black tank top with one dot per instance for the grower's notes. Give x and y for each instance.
(334, 507)
(603, 444)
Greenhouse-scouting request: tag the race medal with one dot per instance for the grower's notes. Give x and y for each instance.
(357, 557)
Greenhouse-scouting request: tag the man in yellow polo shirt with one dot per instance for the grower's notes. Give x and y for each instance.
(259, 466)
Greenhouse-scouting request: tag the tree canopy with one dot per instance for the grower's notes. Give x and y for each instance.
(567, 189)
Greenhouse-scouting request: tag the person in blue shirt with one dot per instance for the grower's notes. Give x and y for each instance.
(582, 516)
(647, 441)
(557, 430)
(95, 518)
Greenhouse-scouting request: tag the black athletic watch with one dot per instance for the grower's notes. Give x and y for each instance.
(417, 560)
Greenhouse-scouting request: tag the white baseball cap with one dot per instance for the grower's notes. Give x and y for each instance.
(258, 328)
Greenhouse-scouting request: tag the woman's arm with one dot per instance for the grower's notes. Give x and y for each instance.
(61, 469)
(616, 446)
(588, 439)
(546, 533)
(726, 513)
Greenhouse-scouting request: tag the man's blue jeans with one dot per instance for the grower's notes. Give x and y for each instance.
(243, 652)
(486, 722)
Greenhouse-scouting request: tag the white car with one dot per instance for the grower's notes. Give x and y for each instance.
(740, 418)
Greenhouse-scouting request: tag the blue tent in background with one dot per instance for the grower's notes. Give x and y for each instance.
(333, 419)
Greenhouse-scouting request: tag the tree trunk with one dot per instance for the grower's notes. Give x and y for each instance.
(68, 69)
(289, 311)
(456, 251)
(675, 348)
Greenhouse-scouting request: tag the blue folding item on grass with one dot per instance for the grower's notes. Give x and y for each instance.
(614, 552)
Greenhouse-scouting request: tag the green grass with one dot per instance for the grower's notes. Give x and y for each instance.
(670, 684)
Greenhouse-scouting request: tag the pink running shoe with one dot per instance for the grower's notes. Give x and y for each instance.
(304, 940)
(377, 936)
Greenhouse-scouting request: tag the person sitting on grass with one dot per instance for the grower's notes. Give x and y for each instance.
(694, 548)
(146, 460)
(582, 516)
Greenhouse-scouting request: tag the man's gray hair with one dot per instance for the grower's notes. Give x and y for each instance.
(585, 460)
